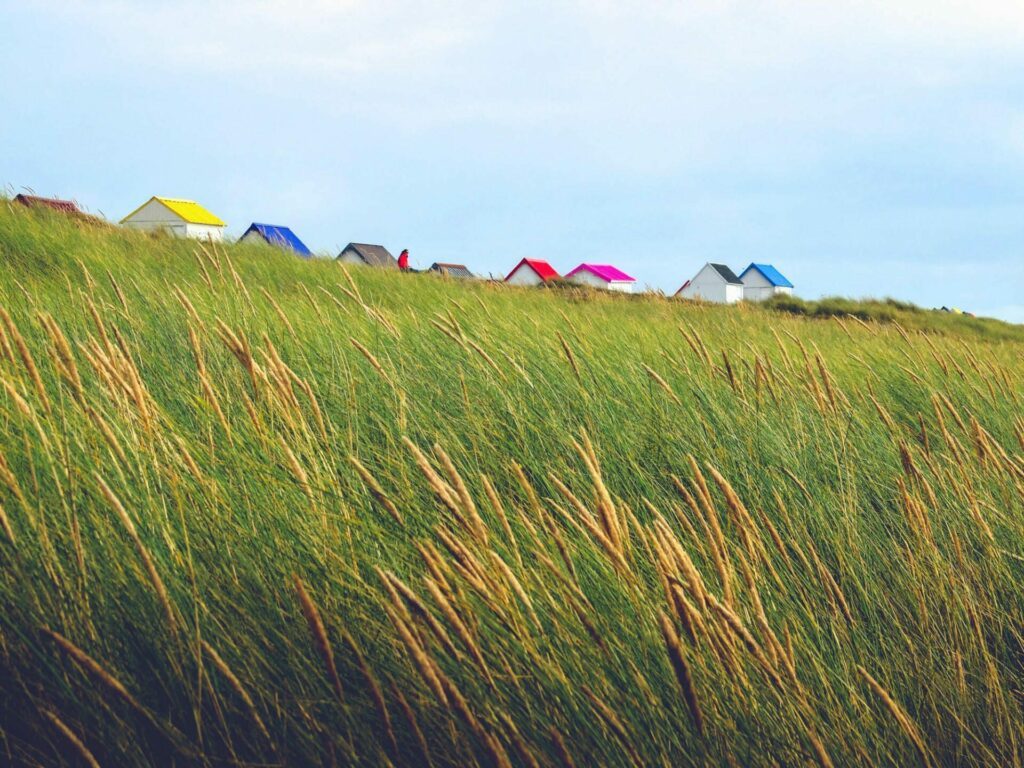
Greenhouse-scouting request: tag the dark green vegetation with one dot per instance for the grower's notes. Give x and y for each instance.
(261, 511)
(901, 313)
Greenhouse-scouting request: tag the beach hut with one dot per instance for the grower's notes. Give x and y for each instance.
(277, 236)
(714, 282)
(367, 255)
(451, 270)
(183, 218)
(32, 201)
(762, 281)
(531, 272)
(601, 276)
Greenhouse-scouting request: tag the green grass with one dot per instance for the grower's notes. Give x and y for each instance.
(862, 604)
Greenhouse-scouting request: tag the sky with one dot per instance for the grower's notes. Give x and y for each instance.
(869, 148)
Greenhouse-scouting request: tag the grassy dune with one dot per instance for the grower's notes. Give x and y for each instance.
(257, 511)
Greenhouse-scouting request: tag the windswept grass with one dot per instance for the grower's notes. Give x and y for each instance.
(261, 511)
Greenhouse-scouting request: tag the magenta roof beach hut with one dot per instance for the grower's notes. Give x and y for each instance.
(602, 276)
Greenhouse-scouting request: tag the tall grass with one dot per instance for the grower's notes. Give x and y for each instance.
(263, 511)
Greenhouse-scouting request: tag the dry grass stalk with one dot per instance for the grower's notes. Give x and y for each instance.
(65, 359)
(499, 510)
(210, 395)
(706, 509)
(374, 362)
(108, 435)
(606, 512)
(826, 379)
(238, 345)
(571, 357)
(297, 470)
(561, 748)
(440, 488)
(461, 630)
(280, 313)
(741, 517)
(437, 566)
(883, 414)
(464, 562)
(143, 553)
(820, 753)
(682, 671)
(314, 403)
(237, 687)
(239, 283)
(487, 358)
(186, 456)
(585, 522)
(5, 523)
(697, 346)
(523, 751)
(72, 739)
(130, 372)
(25, 409)
(952, 411)
(477, 526)
(899, 714)
(312, 303)
(773, 533)
(689, 615)
(26, 359)
(733, 622)
(376, 491)
(423, 663)
(531, 493)
(187, 305)
(517, 587)
(202, 269)
(799, 484)
(318, 633)
(729, 375)
(400, 592)
(832, 585)
(616, 725)
(5, 346)
(682, 559)
(662, 383)
(91, 667)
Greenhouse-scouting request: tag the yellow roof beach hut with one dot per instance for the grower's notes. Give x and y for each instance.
(183, 218)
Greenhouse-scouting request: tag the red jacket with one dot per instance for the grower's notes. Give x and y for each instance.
(403, 260)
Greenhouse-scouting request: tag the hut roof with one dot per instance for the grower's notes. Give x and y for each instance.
(188, 210)
(374, 255)
(770, 273)
(606, 272)
(544, 270)
(727, 274)
(452, 270)
(280, 236)
(64, 206)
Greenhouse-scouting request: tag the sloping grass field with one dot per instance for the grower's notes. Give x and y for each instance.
(261, 511)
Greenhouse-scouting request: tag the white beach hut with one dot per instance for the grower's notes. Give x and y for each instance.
(183, 218)
(714, 282)
(762, 281)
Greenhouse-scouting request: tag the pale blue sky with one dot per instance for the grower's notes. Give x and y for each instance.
(867, 148)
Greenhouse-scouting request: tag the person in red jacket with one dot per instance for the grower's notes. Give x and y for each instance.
(403, 259)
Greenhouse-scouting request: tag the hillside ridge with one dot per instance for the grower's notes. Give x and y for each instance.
(257, 510)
